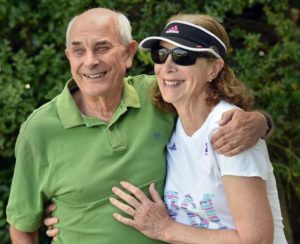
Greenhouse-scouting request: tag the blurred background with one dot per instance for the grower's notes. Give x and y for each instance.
(265, 54)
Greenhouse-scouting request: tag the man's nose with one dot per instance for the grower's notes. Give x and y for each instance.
(91, 59)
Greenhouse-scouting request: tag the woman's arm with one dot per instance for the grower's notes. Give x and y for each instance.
(21, 237)
(248, 203)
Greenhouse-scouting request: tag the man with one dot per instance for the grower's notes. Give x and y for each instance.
(101, 129)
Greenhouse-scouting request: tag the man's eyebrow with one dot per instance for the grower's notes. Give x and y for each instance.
(75, 43)
(101, 43)
(104, 42)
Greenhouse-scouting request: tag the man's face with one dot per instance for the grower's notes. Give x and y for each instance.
(97, 58)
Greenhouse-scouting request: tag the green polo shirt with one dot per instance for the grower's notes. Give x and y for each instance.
(75, 160)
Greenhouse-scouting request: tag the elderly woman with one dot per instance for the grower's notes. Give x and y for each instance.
(209, 198)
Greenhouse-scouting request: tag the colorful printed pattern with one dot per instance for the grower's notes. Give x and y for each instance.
(211, 220)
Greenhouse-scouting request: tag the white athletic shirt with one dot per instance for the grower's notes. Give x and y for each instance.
(194, 193)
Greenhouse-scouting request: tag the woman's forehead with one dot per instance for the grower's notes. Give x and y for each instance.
(167, 44)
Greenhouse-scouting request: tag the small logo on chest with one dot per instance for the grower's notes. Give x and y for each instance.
(156, 135)
(206, 149)
(172, 147)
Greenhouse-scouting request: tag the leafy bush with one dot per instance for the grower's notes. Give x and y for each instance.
(265, 54)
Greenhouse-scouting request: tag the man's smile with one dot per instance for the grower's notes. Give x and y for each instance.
(95, 76)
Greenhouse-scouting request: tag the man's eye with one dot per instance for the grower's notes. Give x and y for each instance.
(102, 48)
(78, 51)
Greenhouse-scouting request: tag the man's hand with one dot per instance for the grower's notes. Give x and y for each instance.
(49, 221)
(239, 130)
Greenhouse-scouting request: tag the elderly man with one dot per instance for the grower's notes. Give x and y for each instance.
(101, 129)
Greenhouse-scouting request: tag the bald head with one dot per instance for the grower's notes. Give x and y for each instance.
(117, 21)
(97, 12)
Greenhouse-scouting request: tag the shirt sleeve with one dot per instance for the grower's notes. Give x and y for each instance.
(250, 163)
(26, 201)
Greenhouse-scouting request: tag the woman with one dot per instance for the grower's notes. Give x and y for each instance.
(209, 198)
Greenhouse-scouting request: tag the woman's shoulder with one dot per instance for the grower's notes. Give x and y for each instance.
(224, 106)
(219, 109)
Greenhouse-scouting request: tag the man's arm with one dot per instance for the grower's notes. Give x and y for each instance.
(20, 237)
(239, 130)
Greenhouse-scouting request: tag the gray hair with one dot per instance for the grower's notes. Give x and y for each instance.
(70, 25)
(124, 29)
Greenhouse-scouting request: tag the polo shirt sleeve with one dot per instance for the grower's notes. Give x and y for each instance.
(26, 201)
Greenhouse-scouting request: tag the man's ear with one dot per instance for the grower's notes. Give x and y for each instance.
(131, 51)
(217, 66)
(67, 53)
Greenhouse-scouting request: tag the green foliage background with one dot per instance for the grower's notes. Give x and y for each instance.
(265, 54)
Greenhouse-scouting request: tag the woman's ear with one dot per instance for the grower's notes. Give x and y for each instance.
(217, 66)
(131, 51)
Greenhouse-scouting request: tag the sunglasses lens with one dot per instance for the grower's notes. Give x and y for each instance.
(180, 56)
(183, 57)
(160, 55)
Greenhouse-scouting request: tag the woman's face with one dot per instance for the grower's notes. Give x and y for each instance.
(182, 84)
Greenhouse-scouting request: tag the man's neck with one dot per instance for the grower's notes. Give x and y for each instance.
(99, 107)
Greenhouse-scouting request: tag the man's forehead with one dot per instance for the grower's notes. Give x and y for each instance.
(93, 39)
(96, 42)
(104, 22)
(99, 29)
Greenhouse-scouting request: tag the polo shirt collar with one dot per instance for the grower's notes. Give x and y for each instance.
(130, 96)
(71, 116)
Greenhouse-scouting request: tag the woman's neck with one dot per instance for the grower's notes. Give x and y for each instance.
(192, 115)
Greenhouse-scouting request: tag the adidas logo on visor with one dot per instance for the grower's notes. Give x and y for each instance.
(173, 29)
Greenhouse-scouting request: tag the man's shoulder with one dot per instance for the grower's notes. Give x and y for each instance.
(142, 84)
(42, 116)
(142, 80)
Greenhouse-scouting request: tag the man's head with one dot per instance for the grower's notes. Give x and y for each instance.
(100, 49)
(124, 26)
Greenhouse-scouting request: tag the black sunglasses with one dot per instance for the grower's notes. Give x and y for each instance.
(180, 56)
